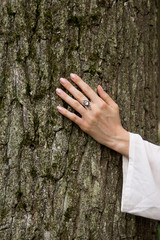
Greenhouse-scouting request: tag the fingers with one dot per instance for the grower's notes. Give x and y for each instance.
(73, 117)
(72, 102)
(85, 87)
(106, 97)
(76, 93)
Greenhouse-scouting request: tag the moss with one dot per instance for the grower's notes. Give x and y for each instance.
(47, 226)
(20, 58)
(1, 102)
(3, 213)
(54, 68)
(95, 17)
(33, 172)
(56, 37)
(38, 96)
(92, 70)
(101, 3)
(57, 157)
(6, 159)
(49, 135)
(26, 139)
(49, 176)
(71, 155)
(32, 50)
(35, 142)
(41, 94)
(94, 56)
(15, 97)
(1, 105)
(53, 113)
(10, 11)
(36, 122)
(54, 165)
(12, 37)
(22, 205)
(71, 49)
(28, 89)
(77, 21)
(68, 213)
(48, 24)
(19, 194)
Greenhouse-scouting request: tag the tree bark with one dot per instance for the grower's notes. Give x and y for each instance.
(56, 182)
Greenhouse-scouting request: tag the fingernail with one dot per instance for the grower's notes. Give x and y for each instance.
(62, 80)
(73, 75)
(59, 108)
(58, 90)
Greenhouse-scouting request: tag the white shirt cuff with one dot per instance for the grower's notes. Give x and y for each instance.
(141, 179)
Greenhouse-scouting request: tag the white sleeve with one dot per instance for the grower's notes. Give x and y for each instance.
(141, 179)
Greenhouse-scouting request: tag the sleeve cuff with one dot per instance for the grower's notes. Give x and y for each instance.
(140, 194)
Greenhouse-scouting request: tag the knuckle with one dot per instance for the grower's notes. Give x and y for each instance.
(102, 106)
(116, 107)
(97, 113)
(91, 120)
(87, 88)
(79, 95)
(74, 118)
(76, 104)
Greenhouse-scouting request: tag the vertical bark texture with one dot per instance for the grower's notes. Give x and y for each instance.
(57, 183)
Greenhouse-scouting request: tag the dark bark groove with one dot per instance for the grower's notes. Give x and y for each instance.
(57, 183)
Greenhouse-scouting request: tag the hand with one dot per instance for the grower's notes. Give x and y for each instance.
(101, 120)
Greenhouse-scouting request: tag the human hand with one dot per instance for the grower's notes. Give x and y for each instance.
(101, 120)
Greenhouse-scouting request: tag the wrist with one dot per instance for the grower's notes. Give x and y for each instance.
(120, 142)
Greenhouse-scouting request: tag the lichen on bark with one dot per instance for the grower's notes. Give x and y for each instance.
(56, 182)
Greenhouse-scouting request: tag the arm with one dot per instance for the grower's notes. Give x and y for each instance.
(141, 179)
(101, 121)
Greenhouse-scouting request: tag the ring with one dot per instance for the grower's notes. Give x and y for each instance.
(87, 104)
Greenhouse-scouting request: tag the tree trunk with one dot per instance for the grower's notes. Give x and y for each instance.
(56, 182)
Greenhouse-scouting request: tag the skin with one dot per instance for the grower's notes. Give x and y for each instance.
(101, 121)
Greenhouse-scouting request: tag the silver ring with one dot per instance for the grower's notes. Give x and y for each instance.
(87, 104)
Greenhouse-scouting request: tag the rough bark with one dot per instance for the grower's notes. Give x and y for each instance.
(56, 182)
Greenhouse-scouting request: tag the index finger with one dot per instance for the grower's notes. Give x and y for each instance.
(85, 87)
